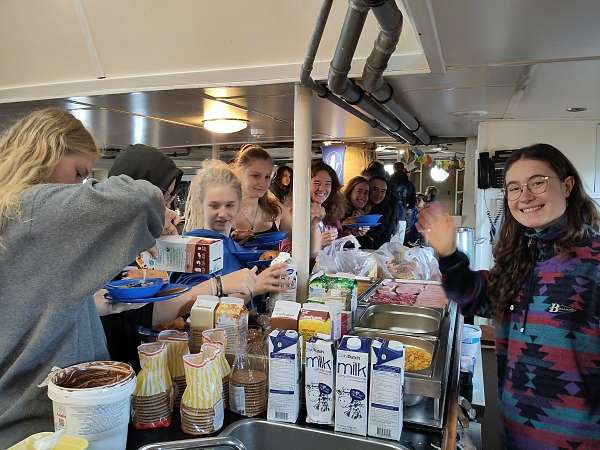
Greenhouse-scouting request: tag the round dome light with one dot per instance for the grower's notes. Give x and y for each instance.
(225, 125)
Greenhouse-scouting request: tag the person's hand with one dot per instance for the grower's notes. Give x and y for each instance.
(241, 281)
(106, 308)
(438, 228)
(360, 231)
(328, 236)
(171, 221)
(272, 280)
(317, 212)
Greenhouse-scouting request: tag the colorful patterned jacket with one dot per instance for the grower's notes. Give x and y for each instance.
(548, 345)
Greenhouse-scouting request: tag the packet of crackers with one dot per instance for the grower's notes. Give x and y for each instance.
(202, 402)
(232, 316)
(224, 366)
(152, 400)
(217, 336)
(177, 346)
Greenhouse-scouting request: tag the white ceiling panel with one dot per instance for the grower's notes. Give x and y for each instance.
(558, 86)
(480, 32)
(41, 42)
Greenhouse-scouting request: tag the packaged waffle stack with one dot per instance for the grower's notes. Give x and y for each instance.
(217, 337)
(232, 316)
(248, 385)
(177, 346)
(202, 317)
(152, 401)
(202, 402)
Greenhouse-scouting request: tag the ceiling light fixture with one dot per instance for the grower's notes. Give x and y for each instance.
(223, 126)
(438, 174)
(576, 109)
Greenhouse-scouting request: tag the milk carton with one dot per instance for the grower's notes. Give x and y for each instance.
(351, 385)
(186, 254)
(290, 277)
(284, 376)
(385, 395)
(319, 380)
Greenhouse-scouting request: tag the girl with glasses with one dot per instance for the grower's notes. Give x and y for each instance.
(543, 293)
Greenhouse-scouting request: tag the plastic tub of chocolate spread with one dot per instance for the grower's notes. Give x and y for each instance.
(92, 400)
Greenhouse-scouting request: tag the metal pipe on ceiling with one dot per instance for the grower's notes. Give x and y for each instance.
(390, 20)
(341, 85)
(322, 90)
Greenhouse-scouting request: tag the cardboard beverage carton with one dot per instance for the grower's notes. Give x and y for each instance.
(284, 376)
(186, 254)
(352, 384)
(319, 380)
(385, 395)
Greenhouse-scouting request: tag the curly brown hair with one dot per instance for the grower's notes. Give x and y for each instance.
(335, 205)
(514, 260)
(249, 152)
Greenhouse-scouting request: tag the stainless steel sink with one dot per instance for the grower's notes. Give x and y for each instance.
(257, 434)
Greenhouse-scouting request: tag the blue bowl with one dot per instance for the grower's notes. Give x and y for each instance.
(249, 255)
(368, 218)
(130, 289)
(271, 236)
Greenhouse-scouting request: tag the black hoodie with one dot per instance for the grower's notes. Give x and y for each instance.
(142, 162)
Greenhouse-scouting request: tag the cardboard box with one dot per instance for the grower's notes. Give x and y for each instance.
(186, 254)
(202, 314)
(285, 315)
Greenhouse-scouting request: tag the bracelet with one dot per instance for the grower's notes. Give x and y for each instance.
(219, 286)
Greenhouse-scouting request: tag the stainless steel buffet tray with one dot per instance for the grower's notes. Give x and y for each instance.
(402, 319)
(429, 345)
(432, 382)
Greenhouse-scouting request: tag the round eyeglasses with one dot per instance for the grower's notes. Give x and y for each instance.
(537, 184)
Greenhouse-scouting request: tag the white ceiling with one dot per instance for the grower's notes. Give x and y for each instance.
(489, 59)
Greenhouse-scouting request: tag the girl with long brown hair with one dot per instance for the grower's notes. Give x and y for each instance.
(325, 192)
(260, 210)
(543, 293)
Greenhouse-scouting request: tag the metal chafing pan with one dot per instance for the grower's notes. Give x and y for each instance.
(429, 345)
(401, 319)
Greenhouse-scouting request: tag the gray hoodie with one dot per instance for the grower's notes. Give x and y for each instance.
(69, 241)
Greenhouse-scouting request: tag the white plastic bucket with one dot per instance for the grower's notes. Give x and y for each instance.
(98, 414)
(471, 339)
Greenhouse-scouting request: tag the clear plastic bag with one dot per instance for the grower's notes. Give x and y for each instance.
(397, 261)
(336, 258)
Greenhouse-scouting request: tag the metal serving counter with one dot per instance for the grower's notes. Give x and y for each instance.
(430, 423)
(426, 328)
